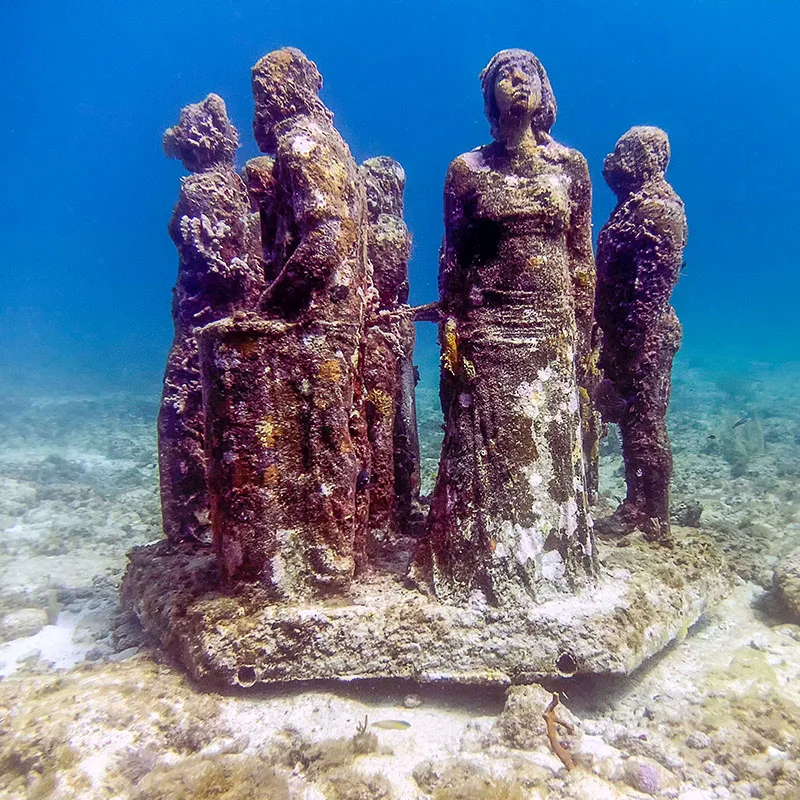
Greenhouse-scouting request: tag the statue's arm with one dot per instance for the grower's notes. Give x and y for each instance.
(456, 223)
(451, 277)
(582, 264)
(660, 237)
(323, 227)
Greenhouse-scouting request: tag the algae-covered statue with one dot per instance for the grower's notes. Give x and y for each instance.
(509, 514)
(305, 431)
(639, 257)
(388, 364)
(284, 405)
(219, 272)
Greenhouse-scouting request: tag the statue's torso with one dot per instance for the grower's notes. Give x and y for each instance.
(517, 217)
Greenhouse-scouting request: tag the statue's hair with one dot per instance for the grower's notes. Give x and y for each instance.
(545, 115)
(204, 137)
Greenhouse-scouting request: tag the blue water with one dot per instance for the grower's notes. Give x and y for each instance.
(87, 265)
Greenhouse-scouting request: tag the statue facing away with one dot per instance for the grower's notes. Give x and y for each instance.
(219, 272)
(509, 515)
(639, 257)
(287, 438)
(388, 364)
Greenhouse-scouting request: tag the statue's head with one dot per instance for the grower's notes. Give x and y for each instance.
(285, 84)
(204, 136)
(641, 154)
(385, 181)
(517, 77)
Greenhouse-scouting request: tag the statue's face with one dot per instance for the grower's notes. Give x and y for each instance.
(518, 93)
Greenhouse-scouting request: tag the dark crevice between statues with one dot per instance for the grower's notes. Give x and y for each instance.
(298, 546)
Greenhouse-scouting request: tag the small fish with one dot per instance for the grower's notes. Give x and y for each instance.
(711, 436)
(742, 421)
(683, 267)
(391, 724)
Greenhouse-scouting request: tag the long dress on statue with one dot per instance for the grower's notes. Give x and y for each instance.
(509, 515)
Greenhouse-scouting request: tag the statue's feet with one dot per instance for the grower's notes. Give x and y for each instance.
(628, 518)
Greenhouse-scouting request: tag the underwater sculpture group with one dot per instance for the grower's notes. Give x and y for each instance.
(297, 543)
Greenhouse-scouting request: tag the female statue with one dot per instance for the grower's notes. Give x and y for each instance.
(509, 514)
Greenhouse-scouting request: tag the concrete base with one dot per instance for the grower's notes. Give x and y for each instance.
(646, 597)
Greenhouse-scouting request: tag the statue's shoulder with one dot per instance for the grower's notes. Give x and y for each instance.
(303, 140)
(199, 188)
(572, 160)
(466, 168)
(664, 210)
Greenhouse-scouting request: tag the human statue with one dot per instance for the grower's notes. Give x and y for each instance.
(219, 271)
(509, 515)
(639, 257)
(388, 365)
(285, 407)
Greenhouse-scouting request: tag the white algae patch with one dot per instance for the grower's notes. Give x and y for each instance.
(53, 644)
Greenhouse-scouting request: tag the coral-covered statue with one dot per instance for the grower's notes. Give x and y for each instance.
(509, 514)
(288, 471)
(219, 272)
(299, 440)
(388, 369)
(639, 257)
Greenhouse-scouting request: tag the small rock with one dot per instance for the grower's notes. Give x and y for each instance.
(647, 776)
(98, 652)
(521, 724)
(698, 740)
(90, 627)
(412, 701)
(124, 655)
(687, 514)
(22, 622)
(786, 581)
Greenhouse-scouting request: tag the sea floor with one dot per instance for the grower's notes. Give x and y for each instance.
(89, 710)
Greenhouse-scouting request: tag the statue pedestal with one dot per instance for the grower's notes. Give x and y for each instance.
(646, 597)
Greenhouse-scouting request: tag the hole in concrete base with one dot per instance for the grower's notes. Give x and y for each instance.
(566, 665)
(246, 676)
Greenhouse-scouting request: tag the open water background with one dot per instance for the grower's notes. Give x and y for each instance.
(88, 88)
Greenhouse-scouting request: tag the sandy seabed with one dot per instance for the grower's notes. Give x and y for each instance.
(89, 710)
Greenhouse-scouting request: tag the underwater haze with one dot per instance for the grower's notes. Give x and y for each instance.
(680, 658)
(87, 192)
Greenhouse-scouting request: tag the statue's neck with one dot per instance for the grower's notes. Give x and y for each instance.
(518, 137)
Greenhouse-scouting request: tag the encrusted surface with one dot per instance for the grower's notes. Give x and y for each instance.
(646, 597)
(509, 515)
